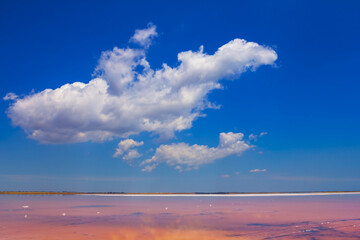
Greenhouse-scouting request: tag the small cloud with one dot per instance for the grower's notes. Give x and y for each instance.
(125, 145)
(192, 156)
(258, 170)
(225, 176)
(144, 37)
(10, 96)
(254, 137)
(132, 154)
(263, 133)
(179, 168)
(260, 152)
(149, 168)
(237, 173)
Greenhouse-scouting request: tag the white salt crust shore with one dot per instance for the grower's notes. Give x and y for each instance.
(226, 195)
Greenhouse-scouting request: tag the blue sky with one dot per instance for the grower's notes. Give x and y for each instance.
(303, 94)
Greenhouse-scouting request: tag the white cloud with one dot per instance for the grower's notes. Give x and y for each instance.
(124, 146)
(117, 68)
(258, 170)
(144, 37)
(10, 96)
(149, 168)
(263, 133)
(132, 154)
(192, 156)
(225, 176)
(254, 137)
(125, 99)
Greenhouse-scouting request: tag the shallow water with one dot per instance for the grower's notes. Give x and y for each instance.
(166, 218)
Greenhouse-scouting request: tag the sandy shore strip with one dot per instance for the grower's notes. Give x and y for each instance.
(227, 195)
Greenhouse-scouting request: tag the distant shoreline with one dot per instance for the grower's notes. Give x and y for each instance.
(189, 194)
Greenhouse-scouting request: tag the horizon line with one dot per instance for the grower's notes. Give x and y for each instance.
(179, 194)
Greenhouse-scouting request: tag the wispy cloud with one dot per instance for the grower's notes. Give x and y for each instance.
(254, 137)
(258, 170)
(263, 133)
(10, 96)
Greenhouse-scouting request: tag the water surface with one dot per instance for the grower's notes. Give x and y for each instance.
(77, 217)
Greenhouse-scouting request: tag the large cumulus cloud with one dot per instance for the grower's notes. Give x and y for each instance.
(128, 97)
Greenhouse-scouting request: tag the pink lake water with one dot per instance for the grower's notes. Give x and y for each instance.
(79, 217)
